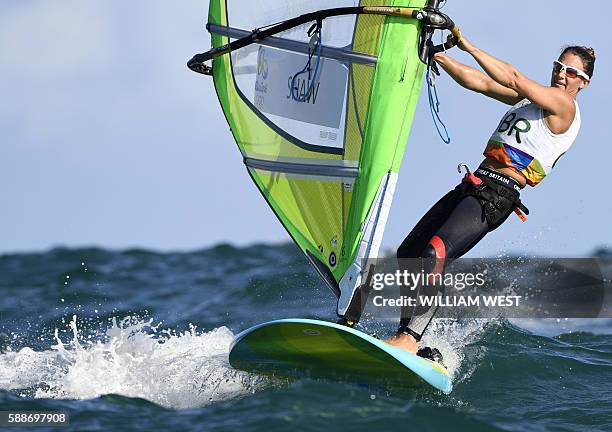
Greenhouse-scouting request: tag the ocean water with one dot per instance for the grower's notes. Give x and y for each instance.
(135, 340)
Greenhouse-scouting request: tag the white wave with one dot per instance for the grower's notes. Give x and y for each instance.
(135, 359)
(451, 337)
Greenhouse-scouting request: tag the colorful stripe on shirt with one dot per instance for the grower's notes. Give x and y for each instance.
(512, 157)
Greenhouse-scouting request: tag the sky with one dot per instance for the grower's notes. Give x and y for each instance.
(107, 139)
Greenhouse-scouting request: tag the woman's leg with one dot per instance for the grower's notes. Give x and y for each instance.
(464, 227)
(449, 230)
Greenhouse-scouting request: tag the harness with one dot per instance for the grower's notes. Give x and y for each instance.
(498, 194)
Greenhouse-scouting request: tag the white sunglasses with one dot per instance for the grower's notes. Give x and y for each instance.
(570, 71)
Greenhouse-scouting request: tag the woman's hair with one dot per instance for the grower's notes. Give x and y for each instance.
(586, 54)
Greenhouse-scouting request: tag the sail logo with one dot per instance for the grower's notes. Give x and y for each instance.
(316, 112)
(327, 135)
(262, 64)
(262, 75)
(303, 90)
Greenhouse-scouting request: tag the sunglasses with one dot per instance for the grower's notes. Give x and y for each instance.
(570, 71)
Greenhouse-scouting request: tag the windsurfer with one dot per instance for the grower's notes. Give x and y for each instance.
(539, 128)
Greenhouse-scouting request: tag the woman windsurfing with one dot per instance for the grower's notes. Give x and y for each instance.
(539, 128)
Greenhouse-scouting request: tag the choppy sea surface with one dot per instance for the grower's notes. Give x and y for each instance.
(139, 340)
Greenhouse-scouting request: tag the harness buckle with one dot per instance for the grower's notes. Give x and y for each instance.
(469, 176)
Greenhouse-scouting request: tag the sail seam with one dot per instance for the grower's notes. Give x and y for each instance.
(302, 168)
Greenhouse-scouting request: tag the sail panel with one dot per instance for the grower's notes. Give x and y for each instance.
(320, 163)
(262, 13)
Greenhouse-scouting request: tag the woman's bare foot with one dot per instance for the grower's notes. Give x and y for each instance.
(405, 342)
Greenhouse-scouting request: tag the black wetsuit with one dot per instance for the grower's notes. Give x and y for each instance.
(453, 226)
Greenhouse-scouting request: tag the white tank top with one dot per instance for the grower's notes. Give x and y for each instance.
(524, 142)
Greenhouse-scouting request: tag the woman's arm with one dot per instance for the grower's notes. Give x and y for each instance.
(553, 100)
(475, 80)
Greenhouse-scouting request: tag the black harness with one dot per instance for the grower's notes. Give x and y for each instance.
(498, 194)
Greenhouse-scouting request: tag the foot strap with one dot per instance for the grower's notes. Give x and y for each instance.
(408, 331)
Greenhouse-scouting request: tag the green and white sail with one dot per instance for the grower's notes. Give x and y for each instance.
(327, 163)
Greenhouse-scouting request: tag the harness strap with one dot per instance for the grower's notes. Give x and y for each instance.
(499, 178)
(495, 190)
